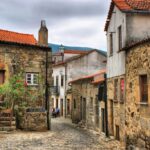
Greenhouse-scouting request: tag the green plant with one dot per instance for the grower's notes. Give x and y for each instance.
(15, 91)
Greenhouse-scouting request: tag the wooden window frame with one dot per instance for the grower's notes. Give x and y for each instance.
(140, 86)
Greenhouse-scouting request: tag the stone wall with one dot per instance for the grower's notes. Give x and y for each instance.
(23, 58)
(116, 110)
(84, 90)
(32, 121)
(137, 114)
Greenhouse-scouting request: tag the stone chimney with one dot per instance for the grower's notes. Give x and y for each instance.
(43, 34)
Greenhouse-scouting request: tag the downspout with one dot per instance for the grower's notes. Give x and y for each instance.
(106, 107)
(46, 91)
(65, 89)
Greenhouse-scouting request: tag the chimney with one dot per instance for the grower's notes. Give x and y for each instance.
(43, 34)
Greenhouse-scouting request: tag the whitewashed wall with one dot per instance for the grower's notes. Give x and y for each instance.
(135, 27)
(86, 65)
(138, 26)
(57, 71)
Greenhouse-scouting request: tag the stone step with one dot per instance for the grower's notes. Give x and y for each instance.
(7, 119)
(7, 123)
(12, 128)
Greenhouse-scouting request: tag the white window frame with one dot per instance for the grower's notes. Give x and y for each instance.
(32, 78)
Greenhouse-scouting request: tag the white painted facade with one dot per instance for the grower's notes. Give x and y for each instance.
(58, 72)
(85, 65)
(135, 27)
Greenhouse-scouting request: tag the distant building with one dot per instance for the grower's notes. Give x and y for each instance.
(86, 105)
(127, 23)
(74, 65)
(22, 53)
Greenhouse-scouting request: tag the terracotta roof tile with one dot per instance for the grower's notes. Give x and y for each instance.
(139, 4)
(15, 37)
(127, 5)
(89, 76)
(75, 52)
(98, 81)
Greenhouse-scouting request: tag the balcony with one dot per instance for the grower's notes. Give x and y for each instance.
(55, 90)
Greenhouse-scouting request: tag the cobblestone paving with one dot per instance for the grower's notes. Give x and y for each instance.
(64, 136)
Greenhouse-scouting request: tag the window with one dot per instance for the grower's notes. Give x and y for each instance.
(144, 88)
(62, 80)
(32, 78)
(116, 90)
(120, 37)
(2, 76)
(122, 89)
(56, 80)
(111, 44)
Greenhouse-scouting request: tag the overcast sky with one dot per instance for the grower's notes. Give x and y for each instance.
(70, 22)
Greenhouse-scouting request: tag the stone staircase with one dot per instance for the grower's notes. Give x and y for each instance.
(7, 123)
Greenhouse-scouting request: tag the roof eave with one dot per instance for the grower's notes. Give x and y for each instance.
(24, 44)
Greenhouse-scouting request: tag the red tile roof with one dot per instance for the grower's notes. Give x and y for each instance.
(15, 37)
(98, 81)
(89, 76)
(139, 4)
(75, 52)
(127, 5)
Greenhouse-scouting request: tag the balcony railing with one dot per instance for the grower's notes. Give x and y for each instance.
(55, 90)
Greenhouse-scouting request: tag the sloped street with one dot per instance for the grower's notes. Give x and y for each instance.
(64, 136)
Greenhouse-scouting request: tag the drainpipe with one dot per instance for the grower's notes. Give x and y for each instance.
(106, 107)
(65, 90)
(47, 92)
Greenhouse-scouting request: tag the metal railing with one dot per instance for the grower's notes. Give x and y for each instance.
(55, 90)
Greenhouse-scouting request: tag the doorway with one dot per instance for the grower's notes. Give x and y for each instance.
(84, 109)
(103, 119)
(57, 103)
(61, 107)
(68, 106)
(111, 117)
(81, 110)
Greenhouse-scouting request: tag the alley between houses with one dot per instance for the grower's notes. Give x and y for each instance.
(64, 136)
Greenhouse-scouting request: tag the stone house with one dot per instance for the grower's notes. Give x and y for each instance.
(86, 106)
(73, 67)
(127, 22)
(137, 108)
(23, 53)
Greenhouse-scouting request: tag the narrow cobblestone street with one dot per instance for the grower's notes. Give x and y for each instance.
(64, 136)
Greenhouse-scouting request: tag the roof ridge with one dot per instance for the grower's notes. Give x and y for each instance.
(16, 32)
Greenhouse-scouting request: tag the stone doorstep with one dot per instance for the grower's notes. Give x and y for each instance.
(7, 123)
(7, 119)
(12, 128)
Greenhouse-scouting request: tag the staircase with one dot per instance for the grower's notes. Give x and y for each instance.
(7, 121)
(5, 124)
